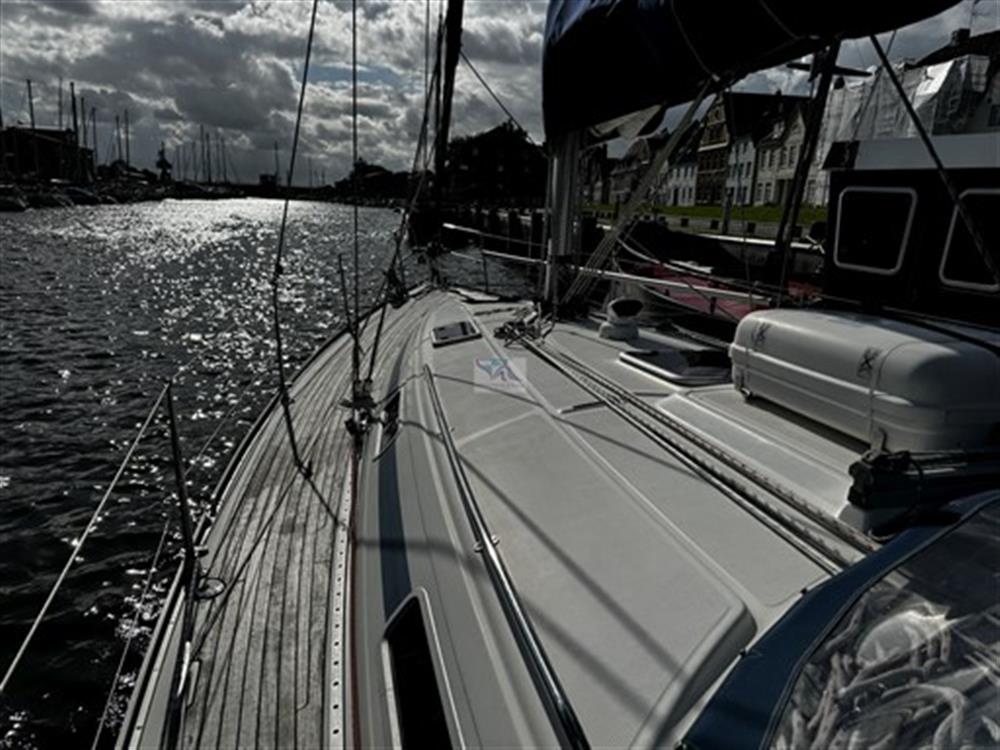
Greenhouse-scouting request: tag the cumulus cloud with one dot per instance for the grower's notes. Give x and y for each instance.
(234, 66)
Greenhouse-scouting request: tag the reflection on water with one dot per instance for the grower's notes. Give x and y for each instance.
(98, 307)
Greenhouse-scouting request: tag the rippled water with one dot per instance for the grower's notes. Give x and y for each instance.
(98, 307)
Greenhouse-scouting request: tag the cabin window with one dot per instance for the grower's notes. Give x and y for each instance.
(413, 688)
(873, 227)
(961, 264)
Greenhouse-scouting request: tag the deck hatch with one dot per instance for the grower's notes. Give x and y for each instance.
(453, 333)
(680, 366)
(419, 711)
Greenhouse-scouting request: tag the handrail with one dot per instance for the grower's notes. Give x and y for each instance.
(565, 722)
(91, 525)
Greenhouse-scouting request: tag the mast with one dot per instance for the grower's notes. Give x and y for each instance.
(118, 138)
(75, 171)
(93, 132)
(34, 136)
(452, 45)
(208, 154)
(60, 102)
(128, 143)
(202, 173)
(564, 198)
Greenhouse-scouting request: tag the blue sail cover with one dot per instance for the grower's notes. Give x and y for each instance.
(608, 58)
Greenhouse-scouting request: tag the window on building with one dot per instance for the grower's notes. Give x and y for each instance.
(962, 265)
(994, 115)
(791, 154)
(873, 228)
(760, 189)
(767, 192)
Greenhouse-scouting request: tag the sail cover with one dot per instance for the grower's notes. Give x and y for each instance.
(607, 58)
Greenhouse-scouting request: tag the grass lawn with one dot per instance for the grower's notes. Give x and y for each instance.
(760, 214)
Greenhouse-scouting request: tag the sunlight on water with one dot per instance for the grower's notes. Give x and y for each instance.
(98, 307)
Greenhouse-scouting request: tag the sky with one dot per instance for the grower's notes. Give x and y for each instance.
(235, 68)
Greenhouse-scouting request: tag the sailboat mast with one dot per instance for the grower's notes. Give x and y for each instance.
(452, 47)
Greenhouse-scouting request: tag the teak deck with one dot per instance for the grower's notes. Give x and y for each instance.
(263, 648)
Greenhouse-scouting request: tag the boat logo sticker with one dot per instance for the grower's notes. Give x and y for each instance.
(501, 373)
(760, 335)
(867, 363)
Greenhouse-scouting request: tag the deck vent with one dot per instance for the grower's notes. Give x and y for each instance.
(453, 333)
(419, 712)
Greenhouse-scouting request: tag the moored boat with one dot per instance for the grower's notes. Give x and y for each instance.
(473, 521)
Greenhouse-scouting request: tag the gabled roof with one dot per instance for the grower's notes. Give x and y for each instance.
(786, 108)
(745, 111)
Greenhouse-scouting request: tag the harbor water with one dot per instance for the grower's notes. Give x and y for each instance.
(99, 307)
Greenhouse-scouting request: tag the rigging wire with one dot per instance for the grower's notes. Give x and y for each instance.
(496, 98)
(91, 525)
(278, 270)
(132, 630)
(356, 348)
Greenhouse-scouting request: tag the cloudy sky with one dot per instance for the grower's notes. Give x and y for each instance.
(233, 67)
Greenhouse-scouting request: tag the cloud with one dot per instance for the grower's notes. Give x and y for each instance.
(234, 68)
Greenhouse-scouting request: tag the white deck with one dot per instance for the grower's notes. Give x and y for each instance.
(644, 582)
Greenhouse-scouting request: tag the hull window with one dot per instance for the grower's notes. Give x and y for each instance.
(419, 711)
(962, 265)
(873, 227)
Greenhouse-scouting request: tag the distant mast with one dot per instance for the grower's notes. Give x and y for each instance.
(118, 138)
(93, 131)
(34, 136)
(128, 143)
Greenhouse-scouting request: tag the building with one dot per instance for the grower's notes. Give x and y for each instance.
(955, 89)
(595, 173)
(713, 153)
(44, 154)
(779, 150)
(747, 121)
(499, 166)
(627, 170)
(678, 186)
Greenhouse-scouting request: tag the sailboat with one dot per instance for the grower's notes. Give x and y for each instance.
(472, 521)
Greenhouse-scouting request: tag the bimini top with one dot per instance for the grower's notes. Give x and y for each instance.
(604, 59)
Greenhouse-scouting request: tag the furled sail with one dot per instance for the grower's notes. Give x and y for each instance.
(607, 58)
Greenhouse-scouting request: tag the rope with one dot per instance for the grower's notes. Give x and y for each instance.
(276, 277)
(496, 98)
(91, 525)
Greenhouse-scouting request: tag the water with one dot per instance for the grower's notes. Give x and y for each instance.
(98, 307)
